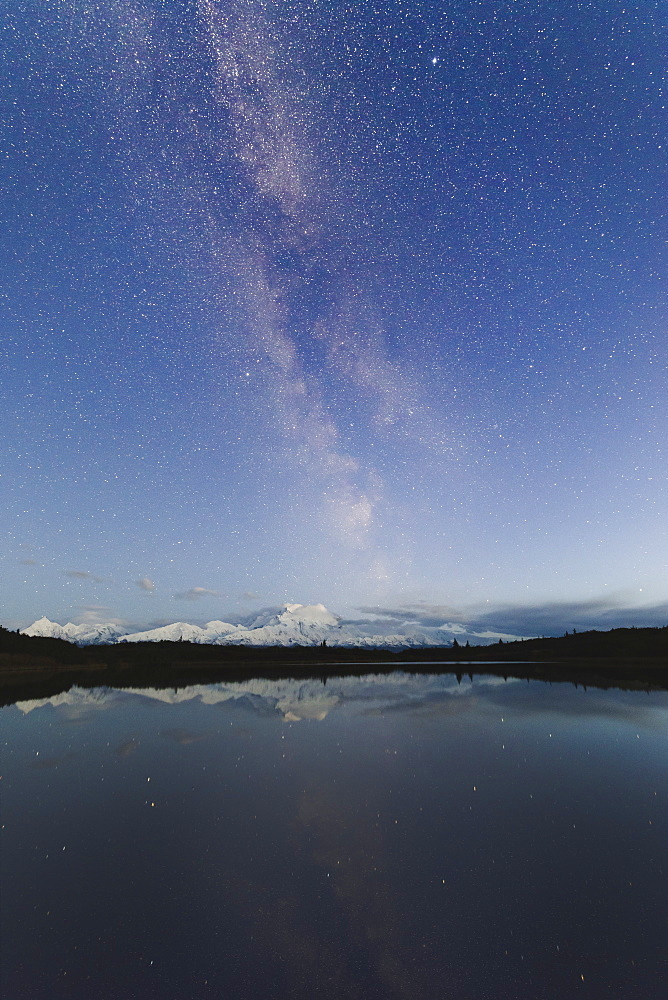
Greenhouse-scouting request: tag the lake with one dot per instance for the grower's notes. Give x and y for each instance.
(386, 836)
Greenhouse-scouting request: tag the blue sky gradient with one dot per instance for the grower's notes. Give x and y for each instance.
(358, 304)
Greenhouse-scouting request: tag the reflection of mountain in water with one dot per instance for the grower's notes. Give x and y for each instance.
(293, 699)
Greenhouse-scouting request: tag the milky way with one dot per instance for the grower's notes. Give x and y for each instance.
(358, 303)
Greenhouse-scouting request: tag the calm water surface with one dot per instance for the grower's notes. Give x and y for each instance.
(382, 837)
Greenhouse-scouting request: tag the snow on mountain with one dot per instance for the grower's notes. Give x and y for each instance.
(293, 625)
(296, 625)
(45, 628)
(82, 635)
(182, 631)
(308, 614)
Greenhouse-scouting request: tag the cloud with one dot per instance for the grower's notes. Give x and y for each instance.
(553, 618)
(556, 617)
(93, 614)
(195, 593)
(28, 562)
(248, 595)
(420, 613)
(145, 584)
(79, 574)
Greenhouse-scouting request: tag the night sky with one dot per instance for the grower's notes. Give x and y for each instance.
(346, 302)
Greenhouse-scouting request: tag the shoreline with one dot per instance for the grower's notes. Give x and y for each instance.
(633, 659)
(28, 680)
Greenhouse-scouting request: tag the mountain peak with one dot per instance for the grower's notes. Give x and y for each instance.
(307, 614)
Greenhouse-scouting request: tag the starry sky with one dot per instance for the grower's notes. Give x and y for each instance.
(346, 302)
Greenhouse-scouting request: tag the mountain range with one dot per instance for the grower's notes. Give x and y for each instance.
(291, 625)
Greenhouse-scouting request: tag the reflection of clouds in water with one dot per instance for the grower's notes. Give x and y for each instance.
(45, 763)
(443, 703)
(184, 737)
(566, 701)
(127, 747)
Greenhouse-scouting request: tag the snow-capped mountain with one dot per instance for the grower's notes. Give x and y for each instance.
(294, 625)
(211, 632)
(82, 635)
